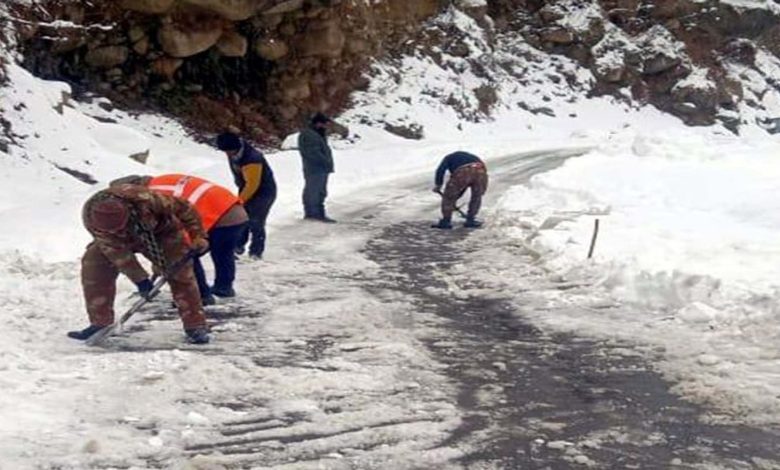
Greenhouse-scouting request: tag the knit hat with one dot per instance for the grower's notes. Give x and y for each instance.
(320, 118)
(108, 215)
(228, 141)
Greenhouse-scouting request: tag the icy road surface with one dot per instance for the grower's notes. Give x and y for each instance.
(372, 344)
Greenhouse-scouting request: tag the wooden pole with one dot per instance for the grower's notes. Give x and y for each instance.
(593, 238)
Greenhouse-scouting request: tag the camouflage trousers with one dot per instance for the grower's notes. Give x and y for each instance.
(98, 279)
(474, 177)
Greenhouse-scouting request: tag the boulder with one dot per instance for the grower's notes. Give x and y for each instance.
(295, 89)
(322, 39)
(177, 42)
(139, 40)
(136, 33)
(106, 57)
(234, 10)
(153, 7)
(232, 44)
(141, 47)
(611, 74)
(286, 6)
(557, 35)
(357, 46)
(550, 14)
(659, 63)
(696, 93)
(166, 66)
(271, 49)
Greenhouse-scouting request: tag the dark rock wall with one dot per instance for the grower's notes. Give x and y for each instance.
(263, 65)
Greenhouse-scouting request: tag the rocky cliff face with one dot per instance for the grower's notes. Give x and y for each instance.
(683, 56)
(262, 65)
(259, 64)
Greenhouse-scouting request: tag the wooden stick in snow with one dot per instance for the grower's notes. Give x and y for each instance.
(593, 238)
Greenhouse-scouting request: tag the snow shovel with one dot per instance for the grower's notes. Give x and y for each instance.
(457, 208)
(159, 282)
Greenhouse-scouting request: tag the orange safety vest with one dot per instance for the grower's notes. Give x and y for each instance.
(210, 201)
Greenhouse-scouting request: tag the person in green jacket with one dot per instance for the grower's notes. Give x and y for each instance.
(317, 167)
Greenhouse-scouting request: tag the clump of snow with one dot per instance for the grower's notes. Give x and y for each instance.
(750, 4)
(577, 16)
(472, 3)
(697, 80)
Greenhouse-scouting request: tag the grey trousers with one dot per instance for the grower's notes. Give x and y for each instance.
(315, 191)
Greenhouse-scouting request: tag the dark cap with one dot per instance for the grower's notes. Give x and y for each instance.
(320, 118)
(228, 141)
(108, 215)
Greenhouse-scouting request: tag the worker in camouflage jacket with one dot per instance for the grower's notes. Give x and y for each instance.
(128, 219)
(467, 171)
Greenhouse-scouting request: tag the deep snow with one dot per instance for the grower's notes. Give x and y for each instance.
(684, 260)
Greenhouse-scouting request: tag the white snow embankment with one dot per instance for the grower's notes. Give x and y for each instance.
(686, 256)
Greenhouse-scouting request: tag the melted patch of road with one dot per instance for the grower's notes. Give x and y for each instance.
(534, 400)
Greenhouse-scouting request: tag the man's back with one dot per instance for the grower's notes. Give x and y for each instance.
(251, 156)
(315, 152)
(452, 162)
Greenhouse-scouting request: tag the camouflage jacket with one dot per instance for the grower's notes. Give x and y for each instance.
(164, 216)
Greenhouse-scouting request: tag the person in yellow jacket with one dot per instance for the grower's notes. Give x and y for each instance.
(256, 185)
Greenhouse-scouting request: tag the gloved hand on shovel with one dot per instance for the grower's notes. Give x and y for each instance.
(145, 288)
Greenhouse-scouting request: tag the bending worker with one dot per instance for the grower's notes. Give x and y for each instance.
(127, 219)
(223, 217)
(256, 186)
(467, 171)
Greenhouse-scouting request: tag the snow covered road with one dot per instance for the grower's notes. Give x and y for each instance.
(375, 343)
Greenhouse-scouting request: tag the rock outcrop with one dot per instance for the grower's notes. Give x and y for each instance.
(287, 58)
(264, 64)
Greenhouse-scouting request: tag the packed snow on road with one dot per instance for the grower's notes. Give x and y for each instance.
(321, 360)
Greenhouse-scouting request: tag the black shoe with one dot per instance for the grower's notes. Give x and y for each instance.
(85, 333)
(208, 300)
(197, 336)
(444, 224)
(256, 256)
(229, 292)
(472, 223)
(321, 218)
(239, 250)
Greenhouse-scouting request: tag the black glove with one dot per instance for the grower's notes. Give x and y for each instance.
(145, 288)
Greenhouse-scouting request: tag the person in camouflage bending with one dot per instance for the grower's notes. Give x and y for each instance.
(128, 219)
(467, 171)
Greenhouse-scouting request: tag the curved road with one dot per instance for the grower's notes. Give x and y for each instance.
(344, 308)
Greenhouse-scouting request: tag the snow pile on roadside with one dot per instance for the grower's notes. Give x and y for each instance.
(685, 256)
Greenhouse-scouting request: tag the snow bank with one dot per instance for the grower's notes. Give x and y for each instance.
(685, 256)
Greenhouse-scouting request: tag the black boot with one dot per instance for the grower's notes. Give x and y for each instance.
(223, 292)
(445, 224)
(471, 222)
(197, 336)
(84, 334)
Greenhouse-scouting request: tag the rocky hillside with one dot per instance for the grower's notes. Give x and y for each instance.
(262, 65)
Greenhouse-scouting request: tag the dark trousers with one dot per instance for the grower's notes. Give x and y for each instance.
(258, 208)
(222, 246)
(315, 190)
